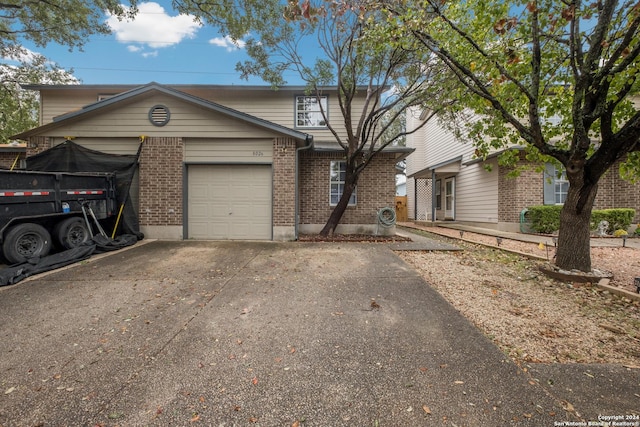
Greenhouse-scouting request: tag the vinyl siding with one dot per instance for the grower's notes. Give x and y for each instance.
(226, 151)
(187, 120)
(477, 193)
(275, 106)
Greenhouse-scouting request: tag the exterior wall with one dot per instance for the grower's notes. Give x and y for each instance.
(277, 106)
(614, 191)
(8, 158)
(284, 194)
(161, 188)
(476, 193)
(516, 194)
(376, 190)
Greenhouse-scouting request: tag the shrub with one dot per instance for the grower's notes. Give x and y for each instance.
(620, 232)
(618, 219)
(546, 218)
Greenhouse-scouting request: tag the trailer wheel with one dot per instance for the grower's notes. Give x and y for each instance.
(26, 241)
(71, 232)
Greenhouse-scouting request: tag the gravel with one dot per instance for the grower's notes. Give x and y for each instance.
(530, 316)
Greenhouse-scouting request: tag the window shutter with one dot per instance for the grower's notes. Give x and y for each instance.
(549, 177)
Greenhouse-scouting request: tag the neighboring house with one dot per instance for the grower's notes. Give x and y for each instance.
(445, 182)
(219, 162)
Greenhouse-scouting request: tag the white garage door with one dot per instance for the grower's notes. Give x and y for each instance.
(229, 202)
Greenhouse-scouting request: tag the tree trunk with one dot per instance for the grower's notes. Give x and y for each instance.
(574, 250)
(350, 182)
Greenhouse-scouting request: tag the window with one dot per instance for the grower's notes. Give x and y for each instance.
(556, 185)
(309, 111)
(438, 194)
(336, 183)
(561, 186)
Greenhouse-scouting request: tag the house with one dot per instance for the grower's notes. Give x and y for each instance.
(219, 162)
(446, 182)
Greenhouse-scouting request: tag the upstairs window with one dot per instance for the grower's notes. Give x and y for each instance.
(309, 111)
(336, 183)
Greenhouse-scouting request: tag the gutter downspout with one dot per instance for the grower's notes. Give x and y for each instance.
(309, 142)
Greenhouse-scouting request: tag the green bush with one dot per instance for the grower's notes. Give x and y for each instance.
(618, 219)
(546, 218)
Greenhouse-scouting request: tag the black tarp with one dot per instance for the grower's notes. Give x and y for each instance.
(15, 273)
(71, 157)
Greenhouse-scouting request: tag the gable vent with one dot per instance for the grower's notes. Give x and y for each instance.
(159, 115)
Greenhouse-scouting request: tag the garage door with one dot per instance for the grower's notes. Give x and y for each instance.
(229, 202)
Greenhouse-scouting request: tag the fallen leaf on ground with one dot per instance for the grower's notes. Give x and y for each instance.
(254, 380)
(426, 409)
(10, 390)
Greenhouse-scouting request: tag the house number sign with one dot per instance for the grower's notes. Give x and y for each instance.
(258, 154)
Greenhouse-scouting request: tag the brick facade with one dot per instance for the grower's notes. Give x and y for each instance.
(284, 169)
(8, 158)
(376, 189)
(516, 193)
(527, 189)
(161, 177)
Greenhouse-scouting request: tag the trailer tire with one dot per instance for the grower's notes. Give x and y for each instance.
(26, 241)
(71, 232)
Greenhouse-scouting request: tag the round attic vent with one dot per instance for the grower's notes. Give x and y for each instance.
(159, 115)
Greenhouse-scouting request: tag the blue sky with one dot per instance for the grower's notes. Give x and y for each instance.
(159, 45)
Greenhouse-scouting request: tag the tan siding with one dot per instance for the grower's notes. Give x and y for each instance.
(228, 151)
(58, 102)
(186, 120)
(274, 106)
(477, 194)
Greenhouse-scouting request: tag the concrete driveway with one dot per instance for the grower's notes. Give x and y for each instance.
(243, 334)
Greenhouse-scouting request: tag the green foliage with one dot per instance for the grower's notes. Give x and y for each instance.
(18, 107)
(544, 218)
(618, 219)
(66, 22)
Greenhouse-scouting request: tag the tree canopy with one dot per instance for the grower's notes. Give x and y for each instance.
(66, 22)
(556, 76)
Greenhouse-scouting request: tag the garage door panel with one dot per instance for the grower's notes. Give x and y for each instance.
(229, 202)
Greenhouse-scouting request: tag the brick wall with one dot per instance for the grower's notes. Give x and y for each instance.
(284, 163)
(376, 189)
(515, 194)
(37, 144)
(615, 192)
(161, 175)
(526, 190)
(7, 158)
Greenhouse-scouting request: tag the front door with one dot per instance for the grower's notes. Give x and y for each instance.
(449, 198)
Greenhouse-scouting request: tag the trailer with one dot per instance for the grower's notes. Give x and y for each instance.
(41, 209)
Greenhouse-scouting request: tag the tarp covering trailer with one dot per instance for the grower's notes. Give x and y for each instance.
(67, 192)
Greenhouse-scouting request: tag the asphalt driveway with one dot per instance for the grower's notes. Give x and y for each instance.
(243, 334)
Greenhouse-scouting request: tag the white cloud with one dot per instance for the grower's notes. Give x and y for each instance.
(134, 49)
(153, 27)
(227, 43)
(150, 54)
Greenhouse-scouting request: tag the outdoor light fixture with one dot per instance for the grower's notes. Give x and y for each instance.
(555, 242)
(624, 240)
(499, 240)
(461, 233)
(636, 282)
